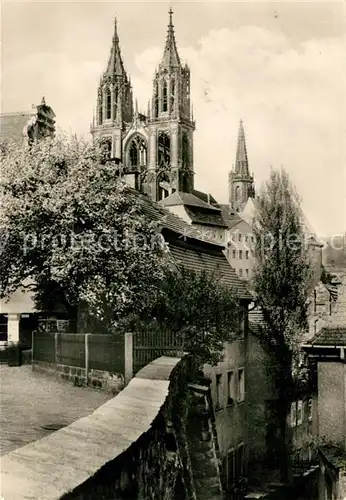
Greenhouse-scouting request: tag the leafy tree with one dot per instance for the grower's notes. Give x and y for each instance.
(74, 234)
(281, 284)
(197, 308)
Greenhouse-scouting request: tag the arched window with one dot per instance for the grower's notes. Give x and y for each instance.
(108, 104)
(163, 150)
(137, 151)
(172, 94)
(156, 100)
(164, 96)
(116, 95)
(237, 193)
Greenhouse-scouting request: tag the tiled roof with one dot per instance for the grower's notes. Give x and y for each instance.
(190, 249)
(12, 126)
(168, 220)
(230, 218)
(330, 337)
(181, 198)
(213, 261)
(208, 198)
(201, 216)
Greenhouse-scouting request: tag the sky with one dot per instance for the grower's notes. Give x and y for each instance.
(280, 67)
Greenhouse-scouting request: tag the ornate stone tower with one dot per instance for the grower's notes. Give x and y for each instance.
(114, 108)
(240, 182)
(170, 125)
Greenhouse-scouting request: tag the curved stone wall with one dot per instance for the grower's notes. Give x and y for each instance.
(127, 448)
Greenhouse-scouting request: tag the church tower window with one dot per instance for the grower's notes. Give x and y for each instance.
(156, 100)
(164, 96)
(237, 193)
(172, 94)
(108, 104)
(137, 152)
(116, 95)
(164, 150)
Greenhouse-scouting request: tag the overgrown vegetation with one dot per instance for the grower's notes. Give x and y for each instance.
(281, 285)
(74, 235)
(197, 308)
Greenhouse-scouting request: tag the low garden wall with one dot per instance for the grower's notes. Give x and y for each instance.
(97, 360)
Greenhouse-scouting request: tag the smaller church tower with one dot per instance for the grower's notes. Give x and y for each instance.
(114, 107)
(170, 125)
(240, 182)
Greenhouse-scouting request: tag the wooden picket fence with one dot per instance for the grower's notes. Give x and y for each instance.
(148, 345)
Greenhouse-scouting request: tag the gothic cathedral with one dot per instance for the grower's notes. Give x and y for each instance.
(155, 150)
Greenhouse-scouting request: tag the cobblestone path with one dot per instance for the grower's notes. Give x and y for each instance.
(30, 401)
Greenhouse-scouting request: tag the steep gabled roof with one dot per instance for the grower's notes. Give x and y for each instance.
(208, 198)
(211, 260)
(181, 198)
(190, 248)
(230, 217)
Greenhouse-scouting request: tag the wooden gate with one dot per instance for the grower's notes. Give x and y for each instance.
(148, 346)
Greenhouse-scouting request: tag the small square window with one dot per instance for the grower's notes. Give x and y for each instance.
(241, 385)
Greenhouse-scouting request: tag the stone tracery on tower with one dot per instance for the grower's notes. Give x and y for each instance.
(155, 150)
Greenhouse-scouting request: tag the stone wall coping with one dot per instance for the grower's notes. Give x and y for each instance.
(49, 468)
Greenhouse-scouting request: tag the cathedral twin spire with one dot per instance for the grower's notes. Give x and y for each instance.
(115, 64)
(156, 151)
(170, 57)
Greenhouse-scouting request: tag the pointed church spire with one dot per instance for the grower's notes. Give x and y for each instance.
(241, 163)
(115, 64)
(170, 56)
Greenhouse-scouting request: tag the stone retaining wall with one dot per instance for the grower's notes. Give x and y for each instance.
(110, 382)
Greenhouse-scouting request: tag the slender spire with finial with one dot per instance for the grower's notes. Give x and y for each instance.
(170, 56)
(241, 164)
(115, 63)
